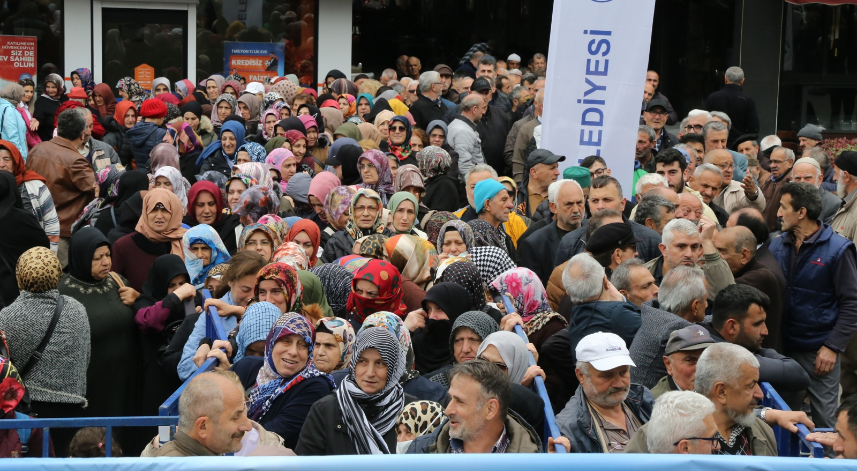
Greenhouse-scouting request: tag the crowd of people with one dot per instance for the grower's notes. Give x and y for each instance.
(357, 247)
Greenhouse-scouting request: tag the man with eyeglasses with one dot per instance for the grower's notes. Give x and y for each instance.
(656, 117)
(782, 160)
(426, 105)
(682, 423)
(733, 194)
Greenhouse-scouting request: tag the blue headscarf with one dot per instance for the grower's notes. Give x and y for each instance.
(257, 152)
(269, 383)
(339, 144)
(237, 130)
(207, 235)
(255, 325)
(368, 98)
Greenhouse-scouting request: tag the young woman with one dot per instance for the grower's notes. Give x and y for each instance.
(160, 85)
(400, 140)
(169, 178)
(403, 208)
(298, 143)
(123, 118)
(306, 234)
(282, 163)
(235, 186)
(249, 108)
(47, 105)
(104, 100)
(364, 219)
(27, 102)
(201, 124)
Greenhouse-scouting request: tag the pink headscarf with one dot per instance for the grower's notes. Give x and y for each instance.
(322, 184)
(309, 122)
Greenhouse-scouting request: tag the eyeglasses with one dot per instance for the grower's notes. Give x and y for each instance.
(778, 162)
(726, 167)
(502, 366)
(657, 113)
(397, 128)
(597, 173)
(365, 209)
(412, 92)
(260, 243)
(365, 166)
(715, 442)
(694, 127)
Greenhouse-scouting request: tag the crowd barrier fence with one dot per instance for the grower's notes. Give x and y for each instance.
(791, 444)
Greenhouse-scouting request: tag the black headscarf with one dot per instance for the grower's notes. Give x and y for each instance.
(336, 74)
(165, 268)
(292, 122)
(21, 231)
(431, 344)
(322, 98)
(129, 214)
(381, 104)
(200, 98)
(349, 155)
(82, 248)
(193, 107)
(316, 115)
(130, 183)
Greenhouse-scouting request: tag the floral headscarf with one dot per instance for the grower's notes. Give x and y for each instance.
(256, 151)
(269, 383)
(414, 257)
(435, 223)
(180, 184)
(343, 333)
(279, 227)
(203, 233)
(312, 231)
(389, 282)
(11, 386)
(377, 227)
(256, 202)
(256, 171)
(408, 175)
(86, 80)
(336, 281)
(228, 99)
(466, 274)
(463, 230)
(528, 293)
(374, 246)
(378, 159)
(268, 101)
(394, 324)
(285, 276)
(486, 235)
(402, 151)
(352, 263)
(337, 202)
(286, 89)
(249, 230)
(292, 255)
(235, 84)
(133, 89)
(433, 161)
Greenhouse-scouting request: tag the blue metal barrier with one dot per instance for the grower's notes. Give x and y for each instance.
(790, 444)
(79, 422)
(551, 430)
(214, 331)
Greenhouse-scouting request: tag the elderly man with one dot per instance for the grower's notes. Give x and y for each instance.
(479, 417)
(782, 160)
(707, 180)
(807, 170)
(653, 79)
(682, 423)
(732, 100)
(748, 146)
(671, 164)
(607, 409)
(684, 243)
(681, 353)
(70, 178)
(820, 268)
(634, 281)
(387, 75)
(463, 136)
(845, 221)
(737, 246)
(493, 204)
(715, 135)
(447, 91)
(809, 136)
(212, 418)
(567, 203)
(99, 154)
(428, 106)
(654, 212)
(648, 181)
(541, 170)
(515, 226)
(612, 244)
(733, 194)
(414, 67)
(655, 116)
(646, 138)
(605, 192)
(827, 167)
(682, 301)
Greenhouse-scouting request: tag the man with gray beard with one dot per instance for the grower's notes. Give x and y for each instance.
(605, 398)
(845, 221)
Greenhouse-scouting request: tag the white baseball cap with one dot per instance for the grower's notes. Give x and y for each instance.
(255, 87)
(604, 351)
(514, 57)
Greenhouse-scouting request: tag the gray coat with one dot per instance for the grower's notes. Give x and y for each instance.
(465, 140)
(101, 155)
(577, 424)
(830, 205)
(647, 349)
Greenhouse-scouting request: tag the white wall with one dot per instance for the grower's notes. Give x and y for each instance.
(334, 37)
(78, 37)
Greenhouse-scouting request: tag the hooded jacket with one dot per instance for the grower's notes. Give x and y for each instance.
(115, 136)
(144, 136)
(522, 438)
(12, 127)
(577, 424)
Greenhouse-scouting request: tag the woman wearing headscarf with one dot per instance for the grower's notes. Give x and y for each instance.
(213, 85)
(231, 87)
(382, 123)
(403, 208)
(322, 184)
(47, 105)
(224, 106)
(343, 158)
(255, 325)
(370, 132)
(205, 206)
(256, 202)
(286, 381)
(508, 349)
(467, 327)
(442, 305)
(317, 145)
(372, 246)
(123, 118)
(332, 120)
(441, 190)
(348, 130)
(171, 179)
(203, 250)
(56, 381)
(270, 99)
(375, 173)
(110, 383)
(466, 274)
(126, 185)
(201, 124)
(456, 239)
(409, 179)
(292, 255)
(307, 235)
(107, 180)
(221, 154)
(399, 139)
(189, 147)
(23, 233)
(266, 124)
(365, 101)
(129, 89)
(343, 86)
(249, 108)
(280, 285)
(415, 258)
(82, 78)
(158, 232)
(14, 93)
(376, 286)
(485, 234)
(30, 188)
(530, 300)
(104, 100)
(289, 124)
(258, 238)
(433, 224)
(160, 85)
(251, 152)
(417, 419)
(364, 219)
(334, 341)
(368, 401)
(286, 89)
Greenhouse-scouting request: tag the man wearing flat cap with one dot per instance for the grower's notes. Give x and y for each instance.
(541, 169)
(845, 221)
(612, 244)
(681, 353)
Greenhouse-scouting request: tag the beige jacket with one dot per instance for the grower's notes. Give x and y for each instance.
(734, 197)
(844, 221)
(762, 440)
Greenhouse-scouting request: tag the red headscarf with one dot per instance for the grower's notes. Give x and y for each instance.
(109, 106)
(193, 194)
(22, 174)
(389, 282)
(312, 230)
(121, 109)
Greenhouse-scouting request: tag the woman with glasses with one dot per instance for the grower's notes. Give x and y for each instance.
(376, 174)
(364, 220)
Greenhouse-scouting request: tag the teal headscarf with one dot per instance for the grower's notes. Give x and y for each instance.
(397, 199)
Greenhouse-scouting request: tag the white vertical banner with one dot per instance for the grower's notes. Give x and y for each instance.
(597, 62)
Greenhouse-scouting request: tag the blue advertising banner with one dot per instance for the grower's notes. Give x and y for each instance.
(257, 62)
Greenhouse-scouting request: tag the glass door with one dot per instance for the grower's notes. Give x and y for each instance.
(144, 44)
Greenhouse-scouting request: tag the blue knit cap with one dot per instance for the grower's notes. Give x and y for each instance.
(485, 190)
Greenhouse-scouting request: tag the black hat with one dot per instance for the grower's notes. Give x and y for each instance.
(611, 236)
(543, 156)
(656, 102)
(480, 84)
(742, 139)
(847, 161)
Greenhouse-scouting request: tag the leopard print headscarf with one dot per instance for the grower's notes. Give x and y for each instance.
(38, 270)
(421, 417)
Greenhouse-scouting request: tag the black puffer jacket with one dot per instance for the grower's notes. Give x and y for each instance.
(114, 136)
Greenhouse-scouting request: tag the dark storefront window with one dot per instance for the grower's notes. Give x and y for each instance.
(41, 19)
(818, 82)
(442, 31)
(285, 28)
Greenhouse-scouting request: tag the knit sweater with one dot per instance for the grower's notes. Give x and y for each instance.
(60, 376)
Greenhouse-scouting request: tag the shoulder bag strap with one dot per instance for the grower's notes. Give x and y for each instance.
(37, 355)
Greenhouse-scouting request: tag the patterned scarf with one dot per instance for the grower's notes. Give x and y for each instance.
(466, 274)
(486, 235)
(336, 203)
(286, 277)
(389, 282)
(402, 151)
(343, 333)
(292, 255)
(351, 226)
(491, 261)
(394, 324)
(336, 281)
(463, 230)
(434, 225)
(528, 293)
(255, 325)
(433, 161)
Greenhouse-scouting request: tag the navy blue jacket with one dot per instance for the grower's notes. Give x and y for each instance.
(574, 243)
(144, 136)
